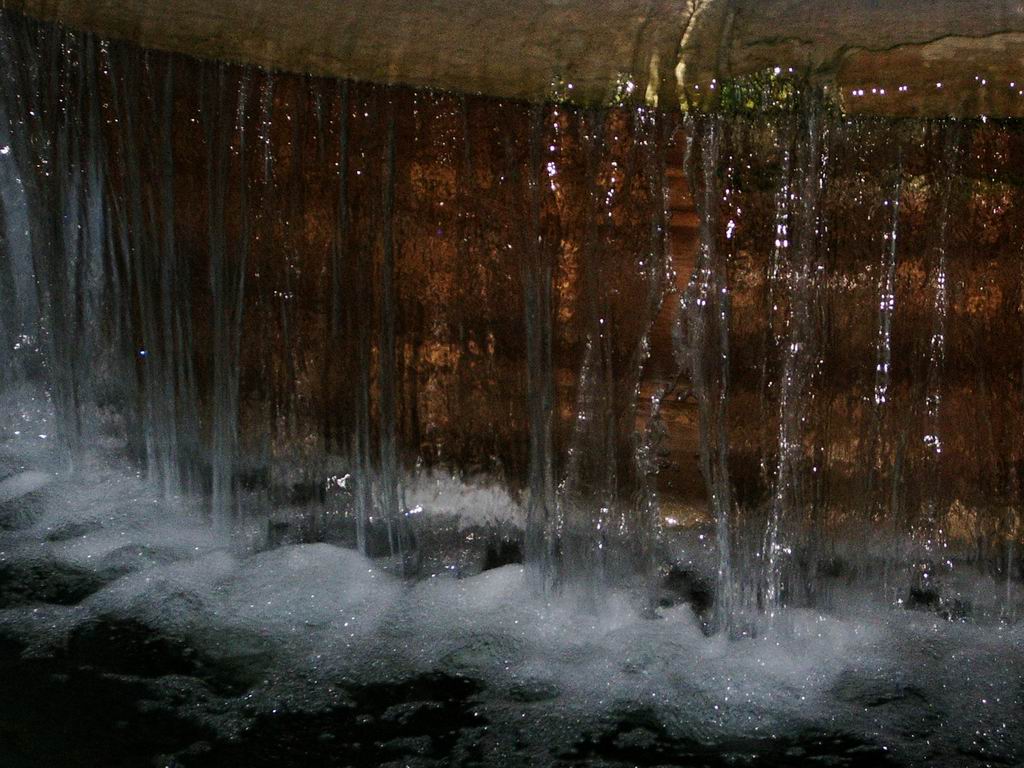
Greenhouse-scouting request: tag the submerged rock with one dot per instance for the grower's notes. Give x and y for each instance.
(445, 544)
(503, 552)
(533, 690)
(21, 499)
(73, 530)
(133, 557)
(46, 581)
(927, 594)
(923, 598)
(55, 713)
(424, 720)
(128, 646)
(686, 586)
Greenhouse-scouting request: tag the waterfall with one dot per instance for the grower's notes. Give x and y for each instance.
(702, 342)
(297, 298)
(538, 319)
(798, 346)
(931, 527)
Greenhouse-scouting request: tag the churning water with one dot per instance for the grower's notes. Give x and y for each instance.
(346, 424)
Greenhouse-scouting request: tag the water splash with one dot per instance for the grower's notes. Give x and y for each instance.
(295, 296)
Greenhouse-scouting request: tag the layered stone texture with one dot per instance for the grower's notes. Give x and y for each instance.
(656, 51)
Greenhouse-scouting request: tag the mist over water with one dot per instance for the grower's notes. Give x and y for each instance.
(652, 425)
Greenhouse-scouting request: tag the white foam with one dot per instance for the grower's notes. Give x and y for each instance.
(475, 502)
(307, 616)
(22, 484)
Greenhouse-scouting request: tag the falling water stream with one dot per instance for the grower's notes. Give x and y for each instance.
(772, 352)
(323, 201)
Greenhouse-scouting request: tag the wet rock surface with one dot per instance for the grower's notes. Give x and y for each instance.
(41, 581)
(640, 739)
(446, 546)
(129, 647)
(100, 705)
(59, 712)
(21, 512)
(442, 543)
(427, 718)
(131, 558)
(665, 47)
(22, 498)
(686, 586)
(75, 529)
(106, 701)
